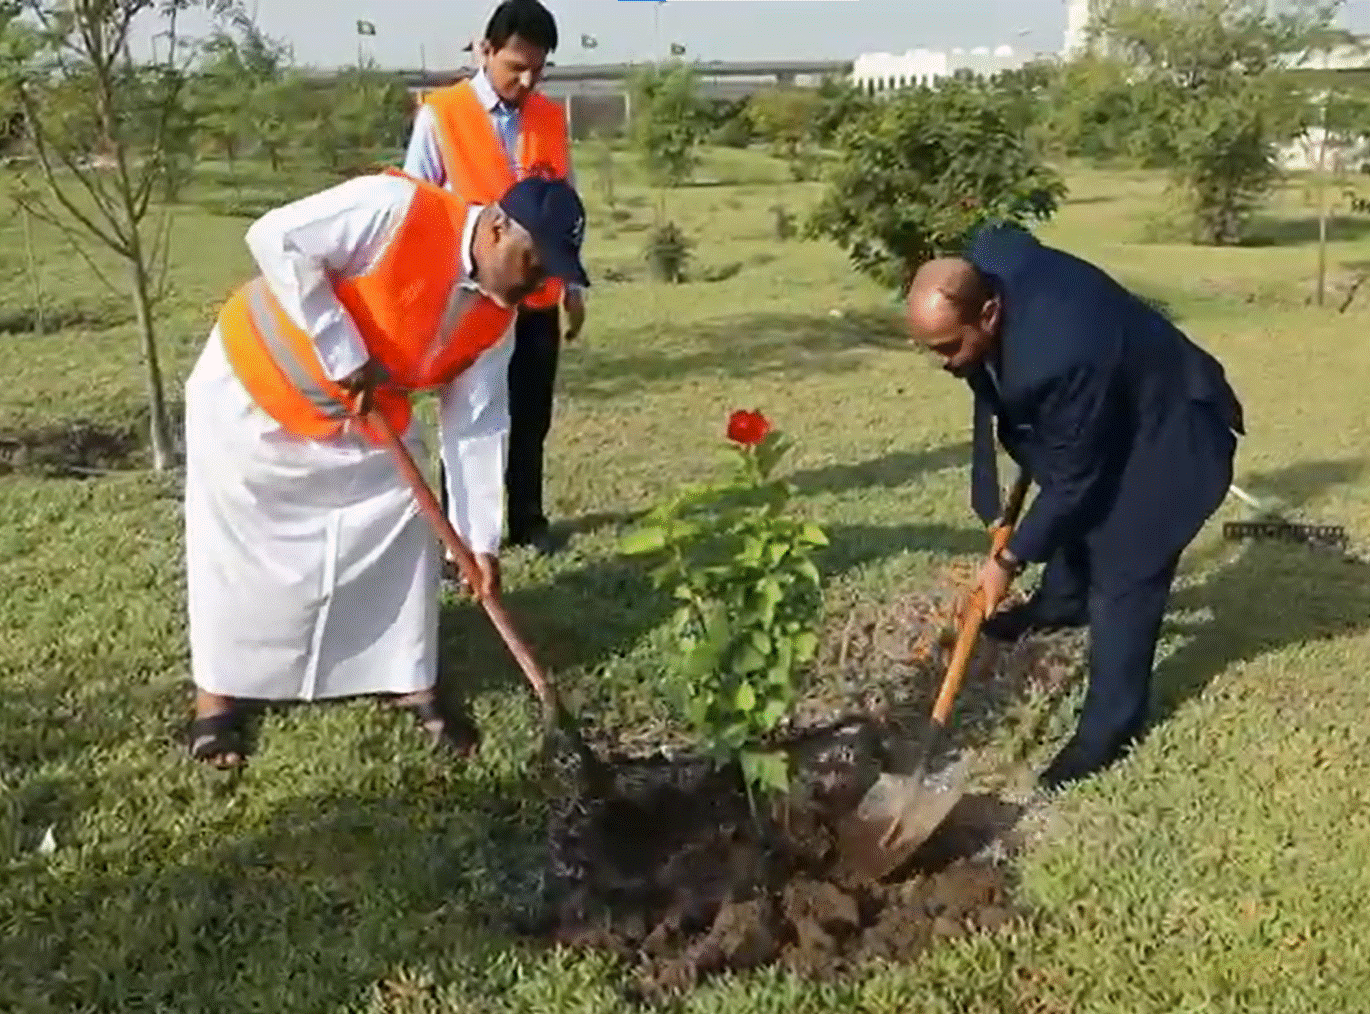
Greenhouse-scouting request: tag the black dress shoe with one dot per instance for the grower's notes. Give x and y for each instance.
(537, 536)
(1076, 762)
(1025, 618)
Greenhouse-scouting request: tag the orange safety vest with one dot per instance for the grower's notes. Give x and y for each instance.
(474, 158)
(417, 317)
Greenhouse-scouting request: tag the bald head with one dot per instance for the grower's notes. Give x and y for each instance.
(952, 310)
(945, 292)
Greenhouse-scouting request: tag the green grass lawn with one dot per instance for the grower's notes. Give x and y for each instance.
(1221, 869)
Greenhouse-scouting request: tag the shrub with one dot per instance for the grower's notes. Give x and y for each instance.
(750, 600)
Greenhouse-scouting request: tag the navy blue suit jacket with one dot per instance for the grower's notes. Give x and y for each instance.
(1125, 425)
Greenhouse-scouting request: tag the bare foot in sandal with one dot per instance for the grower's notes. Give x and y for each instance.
(216, 734)
(456, 733)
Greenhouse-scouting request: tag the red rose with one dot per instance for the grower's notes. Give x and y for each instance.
(748, 428)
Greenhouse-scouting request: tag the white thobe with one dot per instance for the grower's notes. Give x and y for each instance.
(310, 571)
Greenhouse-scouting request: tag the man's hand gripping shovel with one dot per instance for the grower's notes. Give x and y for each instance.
(562, 741)
(902, 809)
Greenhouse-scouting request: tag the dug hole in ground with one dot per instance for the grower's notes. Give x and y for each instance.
(670, 872)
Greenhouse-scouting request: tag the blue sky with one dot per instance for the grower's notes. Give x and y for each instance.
(324, 33)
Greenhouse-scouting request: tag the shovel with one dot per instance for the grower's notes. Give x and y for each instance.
(562, 739)
(902, 809)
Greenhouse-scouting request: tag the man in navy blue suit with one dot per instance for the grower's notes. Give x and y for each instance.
(1128, 430)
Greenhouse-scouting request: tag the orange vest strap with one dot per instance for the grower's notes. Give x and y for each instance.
(477, 165)
(263, 318)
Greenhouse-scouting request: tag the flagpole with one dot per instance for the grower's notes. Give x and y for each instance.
(656, 31)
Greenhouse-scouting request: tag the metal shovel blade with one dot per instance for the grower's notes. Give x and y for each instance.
(897, 815)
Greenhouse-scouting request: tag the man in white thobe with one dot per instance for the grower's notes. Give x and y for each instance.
(310, 572)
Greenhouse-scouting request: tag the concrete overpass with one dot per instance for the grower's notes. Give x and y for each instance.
(595, 95)
(572, 77)
(717, 78)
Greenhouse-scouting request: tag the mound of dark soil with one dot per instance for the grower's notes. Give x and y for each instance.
(672, 873)
(74, 449)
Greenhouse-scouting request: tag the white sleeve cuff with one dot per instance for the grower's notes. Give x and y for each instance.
(340, 349)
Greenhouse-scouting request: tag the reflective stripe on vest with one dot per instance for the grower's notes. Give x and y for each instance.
(464, 297)
(263, 321)
(264, 349)
(420, 319)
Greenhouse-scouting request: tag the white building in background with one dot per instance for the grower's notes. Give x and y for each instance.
(1078, 13)
(882, 72)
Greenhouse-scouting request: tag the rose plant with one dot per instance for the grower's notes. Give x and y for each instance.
(740, 567)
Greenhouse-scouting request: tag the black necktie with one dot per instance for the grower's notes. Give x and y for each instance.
(984, 463)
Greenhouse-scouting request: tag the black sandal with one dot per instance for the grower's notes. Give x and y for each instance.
(458, 735)
(214, 737)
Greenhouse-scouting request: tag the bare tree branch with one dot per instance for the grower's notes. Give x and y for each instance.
(158, 251)
(39, 209)
(37, 135)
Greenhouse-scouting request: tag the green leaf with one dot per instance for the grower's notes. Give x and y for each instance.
(701, 660)
(773, 712)
(644, 540)
(663, 573)
(812, 535)
(659, 513)
(761, 641)
(751, 552)
(769, 452)
(744, 699)
(762, 602)
(704, 658)
(778, 672)
(805, 645)
(748, 659)
(768, 771)
(806, 569)
(697, 711)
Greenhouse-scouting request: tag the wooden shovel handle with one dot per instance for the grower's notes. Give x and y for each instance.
(974, 612)
(494, 608)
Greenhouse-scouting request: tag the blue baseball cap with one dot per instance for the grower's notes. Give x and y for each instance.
(554, 216)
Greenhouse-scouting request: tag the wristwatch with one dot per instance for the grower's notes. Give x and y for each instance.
(1012, 567)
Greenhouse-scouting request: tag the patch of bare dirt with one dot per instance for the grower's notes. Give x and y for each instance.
(75, 449)
(673, 874)
(669, 869)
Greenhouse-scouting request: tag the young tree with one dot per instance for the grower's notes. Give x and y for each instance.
(787, 119)
(1214, 71)
(276, 107)
(839, 101)
(1030, 89)
(361, 112)
(920, 171)
(1095, 111)
(103, 131)
(668, 122)
(1335, 125)
(235, 65)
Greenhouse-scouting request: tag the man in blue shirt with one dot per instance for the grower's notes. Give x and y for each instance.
(1127, 428)
(518, 38)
